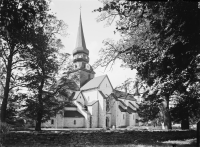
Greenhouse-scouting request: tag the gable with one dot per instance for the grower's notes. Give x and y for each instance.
(106, 86)
(80, 98)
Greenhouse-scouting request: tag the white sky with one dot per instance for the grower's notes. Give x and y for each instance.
(94, 32)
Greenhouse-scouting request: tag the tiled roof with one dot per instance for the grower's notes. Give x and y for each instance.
(122, 103)
(122, 109)
(130, 110)
(93, 83)
(70, 105)
(68, 113)
(133, 105)
(118, 93)
(123, 95)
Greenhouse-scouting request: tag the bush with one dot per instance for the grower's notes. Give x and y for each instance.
(4, 128)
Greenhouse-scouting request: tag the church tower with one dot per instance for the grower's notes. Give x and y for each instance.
(81, 58)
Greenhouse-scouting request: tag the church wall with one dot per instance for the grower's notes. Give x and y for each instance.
(84, 113)
(106, 87)
(121, 116)
(81, 99)
(113, 112)
(70, 108)
(131, 120)
(94, 115)
(108, 116)
(90, 95)
(71, 122)
(54, 122)
(122, 119)
(48, 124)
(59, 121)
(102, 111)
(127, 121)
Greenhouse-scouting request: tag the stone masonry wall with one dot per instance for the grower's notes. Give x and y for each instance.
(80, 138)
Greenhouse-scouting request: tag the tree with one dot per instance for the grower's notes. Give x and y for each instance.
(18, 20)
(42, 66)
(150, 34)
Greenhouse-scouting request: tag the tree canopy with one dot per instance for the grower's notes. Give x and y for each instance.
(160, 41)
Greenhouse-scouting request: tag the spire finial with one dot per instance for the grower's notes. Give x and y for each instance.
(80, 8)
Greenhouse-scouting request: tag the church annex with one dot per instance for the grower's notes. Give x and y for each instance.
(96, 104)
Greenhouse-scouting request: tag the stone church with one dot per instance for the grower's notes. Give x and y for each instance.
(97, 104)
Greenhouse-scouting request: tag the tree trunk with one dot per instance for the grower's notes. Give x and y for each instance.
(40, 109)
(38, 121)
(166, 113)
(7, 87)
(185, 121)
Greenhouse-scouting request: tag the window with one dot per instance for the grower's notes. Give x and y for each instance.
(74, 122)
(133, 116)
(123, 116)
(52, 121)
(83, 65)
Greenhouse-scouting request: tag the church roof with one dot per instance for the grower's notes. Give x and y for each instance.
(70, 105)
(133, 105)
(123, 95)
(121, 109)
(93, 83)
(69, 113)
(76, 94)
(122, 103)
(130, 110)
(80, 41)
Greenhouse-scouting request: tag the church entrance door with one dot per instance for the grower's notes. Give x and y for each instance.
(107, 122)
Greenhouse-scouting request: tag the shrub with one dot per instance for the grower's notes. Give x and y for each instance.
(4, 128)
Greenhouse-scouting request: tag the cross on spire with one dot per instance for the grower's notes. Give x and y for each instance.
(80, 7)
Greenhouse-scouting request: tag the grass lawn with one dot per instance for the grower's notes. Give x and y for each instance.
(98, 138)
(178, 143)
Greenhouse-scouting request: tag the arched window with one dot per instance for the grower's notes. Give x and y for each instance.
(74, 122)
(52, 121)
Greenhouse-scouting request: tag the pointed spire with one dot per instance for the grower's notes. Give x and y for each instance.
(80, 42)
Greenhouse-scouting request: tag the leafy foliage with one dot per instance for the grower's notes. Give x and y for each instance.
(160, 41)
(19, 19)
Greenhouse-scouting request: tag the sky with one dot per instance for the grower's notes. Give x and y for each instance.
(94, 33)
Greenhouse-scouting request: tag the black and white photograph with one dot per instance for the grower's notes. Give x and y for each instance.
(99, 73)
